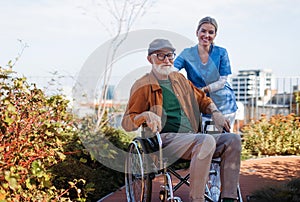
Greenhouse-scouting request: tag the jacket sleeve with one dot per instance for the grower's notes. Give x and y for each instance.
(136, 105)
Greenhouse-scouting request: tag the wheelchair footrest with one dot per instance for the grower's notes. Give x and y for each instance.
(175, 199)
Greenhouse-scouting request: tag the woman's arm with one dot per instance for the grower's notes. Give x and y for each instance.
(216, 85)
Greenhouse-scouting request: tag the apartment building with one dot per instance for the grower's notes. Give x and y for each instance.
(249, 84)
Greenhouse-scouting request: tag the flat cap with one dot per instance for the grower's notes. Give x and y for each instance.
(159, 44)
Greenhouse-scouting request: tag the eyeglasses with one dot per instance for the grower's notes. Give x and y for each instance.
(162, 56)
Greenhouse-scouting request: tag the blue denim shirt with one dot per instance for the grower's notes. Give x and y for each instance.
(204, 74)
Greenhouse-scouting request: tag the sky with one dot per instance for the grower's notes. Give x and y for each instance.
(61, 34)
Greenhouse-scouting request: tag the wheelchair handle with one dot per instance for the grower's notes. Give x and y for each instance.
(160, 150)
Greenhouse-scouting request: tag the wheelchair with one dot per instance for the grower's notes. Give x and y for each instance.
(141, 168)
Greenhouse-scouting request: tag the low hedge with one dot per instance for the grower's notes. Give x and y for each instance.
(278, 135)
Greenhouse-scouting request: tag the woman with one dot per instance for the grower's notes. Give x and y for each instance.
(208, 67)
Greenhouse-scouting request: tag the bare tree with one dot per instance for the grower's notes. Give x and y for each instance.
(12, 63)
(117, 18)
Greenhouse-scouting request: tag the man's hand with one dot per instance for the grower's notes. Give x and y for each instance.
(221, 122)
(153, 121)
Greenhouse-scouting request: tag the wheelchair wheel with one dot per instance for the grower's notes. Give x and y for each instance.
(138, 182)
(240, 198)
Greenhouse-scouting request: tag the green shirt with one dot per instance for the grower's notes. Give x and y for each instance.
(174, 118)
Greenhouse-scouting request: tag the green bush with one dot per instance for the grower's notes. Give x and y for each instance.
(105, 178)
(280, 135)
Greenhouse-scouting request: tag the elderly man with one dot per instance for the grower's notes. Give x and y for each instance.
(167, 102)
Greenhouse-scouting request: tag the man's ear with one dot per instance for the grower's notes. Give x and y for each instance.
(149, 59)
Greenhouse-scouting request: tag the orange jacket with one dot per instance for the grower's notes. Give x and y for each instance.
(146, 95)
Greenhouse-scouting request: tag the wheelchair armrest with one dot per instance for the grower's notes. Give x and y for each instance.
(208, 126)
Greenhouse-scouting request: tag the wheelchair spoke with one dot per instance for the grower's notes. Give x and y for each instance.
(138, 183)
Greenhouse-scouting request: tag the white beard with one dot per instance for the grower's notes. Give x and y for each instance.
(163, 69)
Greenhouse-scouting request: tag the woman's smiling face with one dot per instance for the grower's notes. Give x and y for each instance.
(206, 34)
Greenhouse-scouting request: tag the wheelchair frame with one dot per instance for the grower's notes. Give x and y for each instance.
(140, 170)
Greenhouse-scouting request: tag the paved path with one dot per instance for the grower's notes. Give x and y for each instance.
(255, 174)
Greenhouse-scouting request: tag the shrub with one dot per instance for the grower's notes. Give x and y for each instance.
(280, 135)
(34, 129)
(103, 178)
(41, 152)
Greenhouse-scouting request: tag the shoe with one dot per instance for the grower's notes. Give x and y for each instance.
(227, 200)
